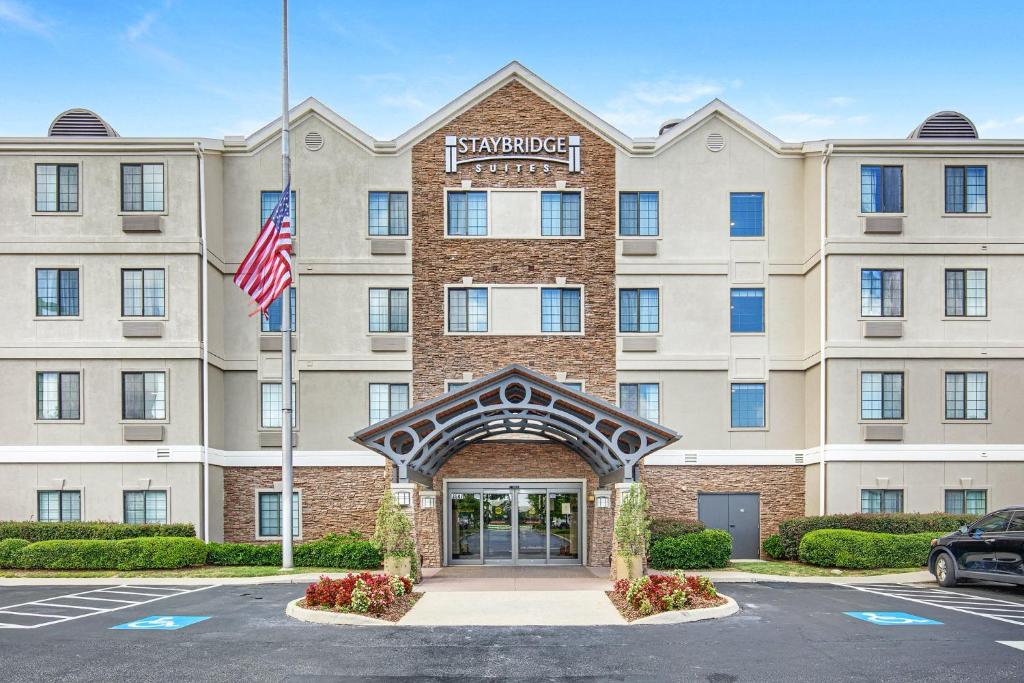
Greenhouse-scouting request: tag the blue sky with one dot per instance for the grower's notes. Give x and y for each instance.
(802, 70)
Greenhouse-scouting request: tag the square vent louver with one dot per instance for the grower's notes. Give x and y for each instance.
(799, 458)
(690, 458)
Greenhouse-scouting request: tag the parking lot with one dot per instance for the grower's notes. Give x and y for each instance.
(784, 632)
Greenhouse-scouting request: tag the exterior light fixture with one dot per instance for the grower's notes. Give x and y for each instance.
(403, 498)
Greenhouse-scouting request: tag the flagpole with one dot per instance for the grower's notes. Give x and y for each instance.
(286, 323)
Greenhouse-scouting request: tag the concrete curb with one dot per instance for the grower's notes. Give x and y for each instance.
(315, 616)
(831, 579)
(685, 616)
(168, 580)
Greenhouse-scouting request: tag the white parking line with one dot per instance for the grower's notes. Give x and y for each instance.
(980, 606)
(1018, 644)
(51, 619)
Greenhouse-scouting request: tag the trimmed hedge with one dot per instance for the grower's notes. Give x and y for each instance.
(34, 532)
(706, 549)
(239, 554)
(160, 553)
(343, 552)
(850, 549)
(773, 548)
(9, 549)
(792, 531)
(668, 528)
(137, 553)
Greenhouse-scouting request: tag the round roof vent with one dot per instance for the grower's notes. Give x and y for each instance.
(715, 142)
(314, 141)
(81, 123)
(946, 124)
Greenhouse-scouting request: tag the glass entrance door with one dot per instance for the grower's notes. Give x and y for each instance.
(532, 526)
(498, 539)
(564, 539)
(465, 526)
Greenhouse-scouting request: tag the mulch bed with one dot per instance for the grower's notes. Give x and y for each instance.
(630, 613)
(395, 611)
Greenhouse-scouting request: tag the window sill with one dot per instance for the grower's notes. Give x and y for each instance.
(748, 429)
(517, 238)
(164, 421)
(57, 317)
(388, 237)
(883, 214)
(78, 214)
(149, 318)
(882, 422)
(142, 213)
(276, 538)
(406, 333)
(639, 334)
(966, 318)
(59, 422)
(967, 422)
(965, 214)
(639, 237)
(747, 334)
(874, 318)
(275, 430)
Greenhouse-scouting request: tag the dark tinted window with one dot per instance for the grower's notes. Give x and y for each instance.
(1017, 524)
(995, 522)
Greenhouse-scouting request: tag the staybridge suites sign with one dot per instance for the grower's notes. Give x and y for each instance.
(512, 154)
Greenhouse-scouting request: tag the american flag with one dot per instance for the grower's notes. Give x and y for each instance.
(267, 269)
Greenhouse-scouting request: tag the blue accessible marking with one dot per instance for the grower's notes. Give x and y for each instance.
(893, 619)
(159, 623)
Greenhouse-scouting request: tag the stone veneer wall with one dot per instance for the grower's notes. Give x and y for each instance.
(436, 260)
(334, 499)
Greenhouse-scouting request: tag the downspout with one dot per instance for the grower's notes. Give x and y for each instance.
(205, 342)
(822, 330)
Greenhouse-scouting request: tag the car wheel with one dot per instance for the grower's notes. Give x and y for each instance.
(945, 572)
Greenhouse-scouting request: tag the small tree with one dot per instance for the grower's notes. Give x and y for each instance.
(393, 532)
(632, 525)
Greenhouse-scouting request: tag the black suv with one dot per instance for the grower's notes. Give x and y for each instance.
(991, 549)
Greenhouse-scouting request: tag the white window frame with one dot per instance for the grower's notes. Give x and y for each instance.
(167, 395)
(767, 394)
(295, 406)
(408, 210)
(256, 517)
(167, 493)
(120, 188)
(81, 396)
(661, 396)
(536, 190)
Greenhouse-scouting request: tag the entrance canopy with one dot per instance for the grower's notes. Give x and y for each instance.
(514, 401)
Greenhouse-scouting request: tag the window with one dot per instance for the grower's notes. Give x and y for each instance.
(467, 310)
(142, 292)
(144, 395)
(881, 189)
(560, 213)
(576, 386)
(994, 523)
(57, 396)
(746, 214)
(966, 293)
(638, 310)
(389, 213)
(746, 310)
(270, 514)
(881, 396)
(966, 501)
(747, 406)
(387, 400)
(389, 310)
(881, 500)
(56, 292)
(57, 188)
(1017, 523)
(271, 322)
(640, 400)
(467, 213)
(145, 507)
(59, 506)
(638, 214)
(142, 187)
(559, 310)
(966, 189)
(270, 405)
(881, 293)
(269, 200)
(966, 395)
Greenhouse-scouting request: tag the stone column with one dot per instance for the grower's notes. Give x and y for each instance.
(601, 538)
(428, 528)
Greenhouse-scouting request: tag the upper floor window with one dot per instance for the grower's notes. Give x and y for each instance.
(270, 405)
(881, 396)
(559, 309)
(57, 187)
(638, 310)
(966, 293)
(746, 310)
(966, 189)
(142, 292)
(145, 507)
(144, 395)
(747, 405)
(966, 395)
(746, 214)
(271, 322)
(966, 501)
(269, 504)
(59, 506)
(641, 400)
(142, 187)
(467, 213)
(881, 189)
(467, 309)
(389, 213)
(881, 293)
(638, 214)
(389, 310)
(576, 386)
(268, 200)
(560, 213)
(56, 292)
(57, 396)
(387, 400)
(881, 500)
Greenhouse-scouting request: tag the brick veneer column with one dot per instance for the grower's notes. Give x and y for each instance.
(428, 527)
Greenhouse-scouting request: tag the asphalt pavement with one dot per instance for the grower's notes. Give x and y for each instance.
(783, 632)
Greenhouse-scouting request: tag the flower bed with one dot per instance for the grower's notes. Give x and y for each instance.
(382, 596)
(649, 595)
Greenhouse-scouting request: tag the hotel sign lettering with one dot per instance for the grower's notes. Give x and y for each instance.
(512, 154)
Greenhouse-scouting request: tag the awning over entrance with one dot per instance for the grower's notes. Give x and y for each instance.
(514, 401)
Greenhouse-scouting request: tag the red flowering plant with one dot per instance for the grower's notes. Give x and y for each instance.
(661, 593)
(363, 593)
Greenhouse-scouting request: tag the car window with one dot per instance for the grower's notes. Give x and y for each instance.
(1017, 523)
(995, 522)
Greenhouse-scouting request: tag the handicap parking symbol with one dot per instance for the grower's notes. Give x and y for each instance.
(159, 623)
(893, 619)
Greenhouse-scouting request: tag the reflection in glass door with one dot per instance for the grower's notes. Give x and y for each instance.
(563, 541)
(497, 526)
(532, 525)
(465, 526)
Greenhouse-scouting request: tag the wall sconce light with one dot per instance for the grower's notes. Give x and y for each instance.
(403, 498)
(427, 501)
(602, 499)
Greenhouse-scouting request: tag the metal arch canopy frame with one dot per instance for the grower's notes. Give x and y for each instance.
(514, 401)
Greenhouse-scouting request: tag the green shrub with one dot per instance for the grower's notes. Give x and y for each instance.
(160, 553)
(632, 527)
(864, 549)
(135, 553)
(667, 528)
(703, 550)
(9, 549)
(792, 531)
(338, 552)
(243, 554)
(97, 531)
(773, 548)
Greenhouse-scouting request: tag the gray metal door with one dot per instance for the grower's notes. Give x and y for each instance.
(736, 513)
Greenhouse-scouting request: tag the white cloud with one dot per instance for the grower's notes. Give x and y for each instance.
(840, 101)
(19, 16)
(997, 124)
(405, 100)
(813, 120)
(670, 92)
(644, 105)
